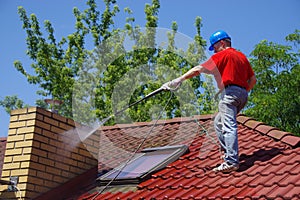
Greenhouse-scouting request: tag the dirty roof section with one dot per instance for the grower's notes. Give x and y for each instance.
(269, 168)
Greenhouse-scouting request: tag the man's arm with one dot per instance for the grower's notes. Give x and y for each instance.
(174, 84)
(195, 71)
(251, 83)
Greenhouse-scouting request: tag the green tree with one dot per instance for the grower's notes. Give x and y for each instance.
(276, 97)
(11, 103)
(150, 65)
(86, 80)
(56, 63)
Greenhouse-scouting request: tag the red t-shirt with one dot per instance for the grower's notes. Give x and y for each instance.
(229, 67)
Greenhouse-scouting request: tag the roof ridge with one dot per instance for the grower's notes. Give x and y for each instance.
(270, 131)
(263, 128)
(162, 121)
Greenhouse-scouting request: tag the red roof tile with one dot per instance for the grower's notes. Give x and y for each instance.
(278, 134)
(269, 168)
(291, 140)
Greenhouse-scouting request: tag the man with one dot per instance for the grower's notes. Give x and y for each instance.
(235, 79)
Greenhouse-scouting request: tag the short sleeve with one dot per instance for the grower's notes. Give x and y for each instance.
(210, 64)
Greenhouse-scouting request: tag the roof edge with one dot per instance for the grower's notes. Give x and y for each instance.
(273, 132)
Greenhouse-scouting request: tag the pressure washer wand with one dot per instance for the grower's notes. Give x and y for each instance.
(103, 121)
(146, 97)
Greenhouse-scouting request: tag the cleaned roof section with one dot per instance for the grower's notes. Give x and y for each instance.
(270, 162)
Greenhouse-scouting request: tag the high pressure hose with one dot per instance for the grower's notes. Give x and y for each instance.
(145, 138)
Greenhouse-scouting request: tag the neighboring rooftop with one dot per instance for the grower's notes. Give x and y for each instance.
(2, 151)
(270, 162)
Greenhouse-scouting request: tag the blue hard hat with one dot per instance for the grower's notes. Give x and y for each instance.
(216, 37)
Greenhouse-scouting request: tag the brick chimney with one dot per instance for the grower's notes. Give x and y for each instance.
(44, 151)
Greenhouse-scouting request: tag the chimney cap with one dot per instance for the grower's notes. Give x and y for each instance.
(53, 102)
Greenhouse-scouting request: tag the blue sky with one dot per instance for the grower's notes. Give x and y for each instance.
(246, 21)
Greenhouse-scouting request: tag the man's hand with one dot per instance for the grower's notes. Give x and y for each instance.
(173, 85)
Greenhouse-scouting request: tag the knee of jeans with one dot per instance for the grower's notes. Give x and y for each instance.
(217, 126)
(216, 121)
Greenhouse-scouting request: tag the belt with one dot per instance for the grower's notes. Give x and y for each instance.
(234, 85)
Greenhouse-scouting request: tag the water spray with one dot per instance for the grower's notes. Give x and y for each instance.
(97, 125)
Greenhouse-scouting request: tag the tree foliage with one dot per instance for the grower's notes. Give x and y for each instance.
(87, 80)
(126, 76)
(276, 97)
(11, 103)
(56, 63)
(96, 83)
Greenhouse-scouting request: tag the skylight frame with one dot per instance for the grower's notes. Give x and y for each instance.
(177, 151)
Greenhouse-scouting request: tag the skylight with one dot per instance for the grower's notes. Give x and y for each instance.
(143, 165)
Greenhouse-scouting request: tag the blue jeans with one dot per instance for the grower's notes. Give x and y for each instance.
(233, 99)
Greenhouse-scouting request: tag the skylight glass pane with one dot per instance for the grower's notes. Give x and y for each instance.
(143, 164)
